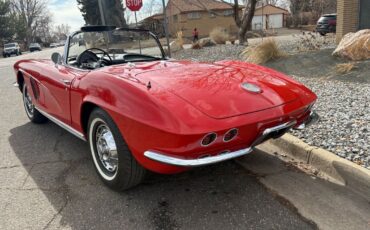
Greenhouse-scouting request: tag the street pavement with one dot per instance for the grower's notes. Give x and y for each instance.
(48, 181)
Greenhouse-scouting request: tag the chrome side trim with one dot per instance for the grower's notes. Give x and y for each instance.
(62, 124)
(195, 162)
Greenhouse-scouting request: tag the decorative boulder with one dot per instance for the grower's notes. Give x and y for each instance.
(205, 42)
(354, 46)
(196, 46)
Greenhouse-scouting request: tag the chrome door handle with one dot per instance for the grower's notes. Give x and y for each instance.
(66, 82)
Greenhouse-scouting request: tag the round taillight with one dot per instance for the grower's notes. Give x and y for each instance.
(231, 134)
(208, 139)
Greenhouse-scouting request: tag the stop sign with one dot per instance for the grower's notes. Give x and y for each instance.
(134, 5)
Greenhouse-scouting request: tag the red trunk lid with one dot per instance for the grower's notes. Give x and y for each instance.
(216, 90)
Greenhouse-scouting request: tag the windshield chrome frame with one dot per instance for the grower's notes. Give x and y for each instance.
(66, 46)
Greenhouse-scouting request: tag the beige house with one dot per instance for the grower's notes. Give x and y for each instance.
(352, 15)
(185, 15)
(269, 17)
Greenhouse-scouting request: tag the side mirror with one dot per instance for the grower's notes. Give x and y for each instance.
(56, 58)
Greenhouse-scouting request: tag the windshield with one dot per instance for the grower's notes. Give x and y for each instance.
(90, 50)
(9, 45)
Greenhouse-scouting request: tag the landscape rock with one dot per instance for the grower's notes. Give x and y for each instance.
(206, 42)
(354, 46)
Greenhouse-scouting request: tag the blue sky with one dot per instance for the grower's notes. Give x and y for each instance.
(66, 12)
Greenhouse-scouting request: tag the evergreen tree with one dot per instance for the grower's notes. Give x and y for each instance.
(113, 11)
(7, 22)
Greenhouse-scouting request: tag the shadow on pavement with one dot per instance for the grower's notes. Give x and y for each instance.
(215, 197)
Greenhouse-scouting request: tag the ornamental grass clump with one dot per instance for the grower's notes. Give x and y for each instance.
(219, 35)
(344, 68)
(262, 53)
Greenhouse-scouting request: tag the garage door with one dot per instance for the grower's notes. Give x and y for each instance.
(275, 21)
(365, 14)
(257, 22)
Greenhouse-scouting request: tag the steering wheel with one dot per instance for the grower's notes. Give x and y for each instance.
(89, 56)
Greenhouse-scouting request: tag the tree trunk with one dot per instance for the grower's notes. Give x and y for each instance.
(246, 22)
(236, 13)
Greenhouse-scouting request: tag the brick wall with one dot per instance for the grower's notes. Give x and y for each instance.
(347, 17)
(204, 24)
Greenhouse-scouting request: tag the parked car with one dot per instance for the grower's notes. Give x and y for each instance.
(61, 43)
(11, 48)
(34, 47)
(53, 45)
(327, 24)
(139, 110)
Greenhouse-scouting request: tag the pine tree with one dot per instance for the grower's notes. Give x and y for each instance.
(113, 11)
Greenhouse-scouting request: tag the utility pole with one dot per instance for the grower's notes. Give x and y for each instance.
(101, 12)
(166, 28)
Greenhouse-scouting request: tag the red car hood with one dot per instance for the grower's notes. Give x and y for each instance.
(216, 90)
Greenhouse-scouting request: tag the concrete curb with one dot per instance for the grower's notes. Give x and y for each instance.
(332, 166)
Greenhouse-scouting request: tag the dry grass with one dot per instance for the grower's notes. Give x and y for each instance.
(179, 38)
(219, 35)
(263, 52)
(344, 67)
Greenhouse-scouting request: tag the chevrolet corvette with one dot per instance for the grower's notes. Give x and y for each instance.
(139, 110)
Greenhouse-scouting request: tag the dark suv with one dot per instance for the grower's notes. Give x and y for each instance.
(327, 24)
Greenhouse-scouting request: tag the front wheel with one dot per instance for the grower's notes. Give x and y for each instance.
(112, 158)
(32, 113)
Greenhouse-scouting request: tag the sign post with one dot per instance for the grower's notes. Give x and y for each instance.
(135, 5)
(166, 28)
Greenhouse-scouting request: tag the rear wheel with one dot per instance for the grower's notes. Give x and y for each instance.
(112, 158)
(32, 113)
(322, 33)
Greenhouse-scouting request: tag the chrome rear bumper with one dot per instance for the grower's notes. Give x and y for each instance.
(195, 162)
(273, 132)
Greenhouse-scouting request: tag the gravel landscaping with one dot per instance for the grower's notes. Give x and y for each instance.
(343, 100)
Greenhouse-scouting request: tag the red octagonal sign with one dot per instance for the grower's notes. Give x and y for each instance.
(134, 5)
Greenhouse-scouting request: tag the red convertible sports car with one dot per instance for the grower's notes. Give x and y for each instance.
(138, 110)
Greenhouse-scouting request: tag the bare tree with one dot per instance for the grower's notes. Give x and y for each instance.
(243, 22)
(42, 29)
(62, 31)
(246, 20)
(28, 11)
(268, 2)
(315, 7)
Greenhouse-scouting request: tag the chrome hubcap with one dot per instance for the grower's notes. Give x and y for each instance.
(28, 102)
(106, 148)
